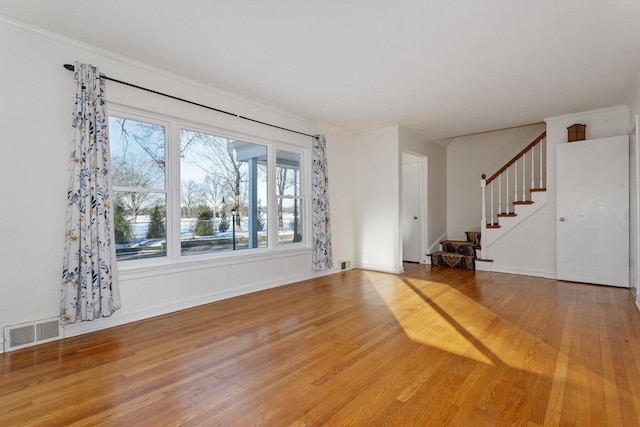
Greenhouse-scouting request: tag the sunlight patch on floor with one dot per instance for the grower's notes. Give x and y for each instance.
(437, 321)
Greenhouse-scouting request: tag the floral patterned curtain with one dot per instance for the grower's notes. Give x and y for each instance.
(89, 285)
(322, 257)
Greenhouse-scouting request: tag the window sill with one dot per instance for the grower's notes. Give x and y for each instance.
(160, 267)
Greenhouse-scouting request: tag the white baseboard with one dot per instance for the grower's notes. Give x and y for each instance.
(76, 329)
(382, 268)
(484, 265)
(498, 269)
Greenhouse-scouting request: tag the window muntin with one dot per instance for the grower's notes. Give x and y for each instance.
(221, 179)
(139, 184)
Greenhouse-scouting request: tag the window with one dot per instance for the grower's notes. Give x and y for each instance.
(223, 193)
(183, 191)
(289, 196)
(138, 174)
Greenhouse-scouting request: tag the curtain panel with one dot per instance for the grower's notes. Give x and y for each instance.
(322, 257)
(89, 285)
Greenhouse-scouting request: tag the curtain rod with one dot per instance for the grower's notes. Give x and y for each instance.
(71, 67)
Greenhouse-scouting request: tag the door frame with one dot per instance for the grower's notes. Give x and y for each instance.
(423, 164)
(634, 208)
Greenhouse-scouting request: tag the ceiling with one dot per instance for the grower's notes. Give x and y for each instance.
(439, 68)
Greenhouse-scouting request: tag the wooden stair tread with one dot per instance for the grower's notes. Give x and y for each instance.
(492, 226)
(459, 243)
(533, 190)
(526, 202)
(510, 215)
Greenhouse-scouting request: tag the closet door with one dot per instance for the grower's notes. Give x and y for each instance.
(593, 211)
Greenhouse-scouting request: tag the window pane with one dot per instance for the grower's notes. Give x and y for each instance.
(287, 173)
(137, 153)
(290, 220)
(218, 174)
(140, 233)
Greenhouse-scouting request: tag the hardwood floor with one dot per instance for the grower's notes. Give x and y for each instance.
(431, 347)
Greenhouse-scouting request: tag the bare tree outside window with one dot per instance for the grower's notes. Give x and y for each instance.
(138, 163)
(231, 174)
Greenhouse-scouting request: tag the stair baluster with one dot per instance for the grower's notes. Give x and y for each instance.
(506, 206)
(492, 217)
(499, 195)
(533, 169)
(541, 184)
(524, 175)
(515, 184)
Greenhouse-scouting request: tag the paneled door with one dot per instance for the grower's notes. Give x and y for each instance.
(593, 211)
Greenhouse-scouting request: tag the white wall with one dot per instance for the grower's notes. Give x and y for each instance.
(468, 157)
(634, 206)
(531, 247)
(377, 171)
(377, 201)
(35, 115)
(634, 100)
(437, 183)
(522, 251)
(634, 187)
(600, 124)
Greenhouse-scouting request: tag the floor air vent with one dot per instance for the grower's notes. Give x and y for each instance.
(32, 333)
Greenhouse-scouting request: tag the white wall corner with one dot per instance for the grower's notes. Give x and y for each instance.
(435, 246)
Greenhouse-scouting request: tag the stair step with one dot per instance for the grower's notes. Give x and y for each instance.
(459, 246)
(533, 190)
(507, 215)
(473, 237)
(449, 259)
(526, 202)
(493, 226)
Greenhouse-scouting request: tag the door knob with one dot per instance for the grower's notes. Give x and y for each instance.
(562, 219)
(415, 217)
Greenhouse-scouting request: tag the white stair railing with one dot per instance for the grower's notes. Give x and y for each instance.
(521, 180)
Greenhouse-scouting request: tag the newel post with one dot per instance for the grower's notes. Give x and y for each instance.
(483, 225)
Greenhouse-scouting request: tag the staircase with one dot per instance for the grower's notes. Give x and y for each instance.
(458, 253)
(512, 194)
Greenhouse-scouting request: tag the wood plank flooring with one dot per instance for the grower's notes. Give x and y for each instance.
(431, 347)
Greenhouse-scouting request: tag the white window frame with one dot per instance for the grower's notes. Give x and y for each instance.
(173, 260)
(304, 178)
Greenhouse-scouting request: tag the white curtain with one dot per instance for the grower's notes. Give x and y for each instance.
(322, 257)
(89, 285)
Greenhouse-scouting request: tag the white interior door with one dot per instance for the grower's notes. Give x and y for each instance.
(411, 231)
(593, 211)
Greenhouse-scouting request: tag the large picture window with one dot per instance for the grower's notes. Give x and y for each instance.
(185, 191)
(223, 193)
